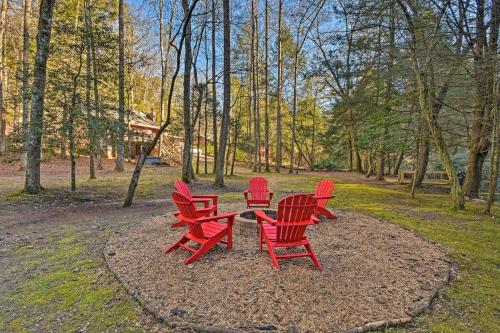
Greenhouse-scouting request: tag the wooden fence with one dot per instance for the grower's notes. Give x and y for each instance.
(431, 177)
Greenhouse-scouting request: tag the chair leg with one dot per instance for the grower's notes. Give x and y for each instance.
(260, 237)
(325, 212)
(230, 236)
(177, 224)
(270, 249)
(176, 245)
(205, 247)
(313, 255)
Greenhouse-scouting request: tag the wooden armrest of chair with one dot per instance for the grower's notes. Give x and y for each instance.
(327, 197)
(205, 201)
(201, 199)
(262, 216)
(206, 210)
(229, 216)
(206, 196)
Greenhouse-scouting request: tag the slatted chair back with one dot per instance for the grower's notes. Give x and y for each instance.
(291, 211)
(187, 209)
(257, 186)
(324, 189)
(183, 188)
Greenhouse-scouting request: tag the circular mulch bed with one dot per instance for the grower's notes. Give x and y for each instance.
(374, 274)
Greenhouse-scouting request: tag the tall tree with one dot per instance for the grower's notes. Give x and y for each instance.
(279, 88)
(219, 175)
(3, 78)
(308, 15)
(134, 181)
(162, 66)
(120, 138)
(484, 44)
(32, 182)
(495, 150)
(266, 86)
(186, 152)
(205, 111)
(254, 64)
(88, 88)
(431, 96)
(214, 87)
(26, 77)
(388, 93)
(72, 114)
(97, 103)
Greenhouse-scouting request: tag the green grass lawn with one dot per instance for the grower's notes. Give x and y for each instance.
(66, 277)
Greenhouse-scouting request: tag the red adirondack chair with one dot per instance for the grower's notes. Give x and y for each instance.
(323, 193)
(257, 187)
(295, 213)
(183, 188)
(207, 209)
(206, 231)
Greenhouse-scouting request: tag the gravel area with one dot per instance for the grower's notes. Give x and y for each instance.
(372, 271)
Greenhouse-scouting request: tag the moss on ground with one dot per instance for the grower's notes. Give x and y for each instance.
(66, 289)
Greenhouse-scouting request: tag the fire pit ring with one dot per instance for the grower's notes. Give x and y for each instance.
(246, 222)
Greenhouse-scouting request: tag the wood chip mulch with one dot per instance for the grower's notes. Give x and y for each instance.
(373, 273)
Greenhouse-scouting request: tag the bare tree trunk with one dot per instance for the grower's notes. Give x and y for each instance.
(205, 127)
(424, 147)
(228, 150)
(399, 160)
(214, 88)
(257, 96)
(26, 77)
(63, 132)
(380, 168)
(32, 183)
(235, 139)
(205, 141)
(279, 88)
(97, 118)
(3, 79)
(255, 82)
(120, 157)
(90, 121)
(186, 155)
(71, 119)
(494, 159)
(219, 175)
(266, 87)
(369, 167)
(163, 69)
(249, 123)
(495, 139)
(198, 143)
(313, 144)
(294, 104)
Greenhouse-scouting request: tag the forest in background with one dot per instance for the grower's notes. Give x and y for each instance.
(367, 86)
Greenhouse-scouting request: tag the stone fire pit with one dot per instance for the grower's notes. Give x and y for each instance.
(246, 222)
